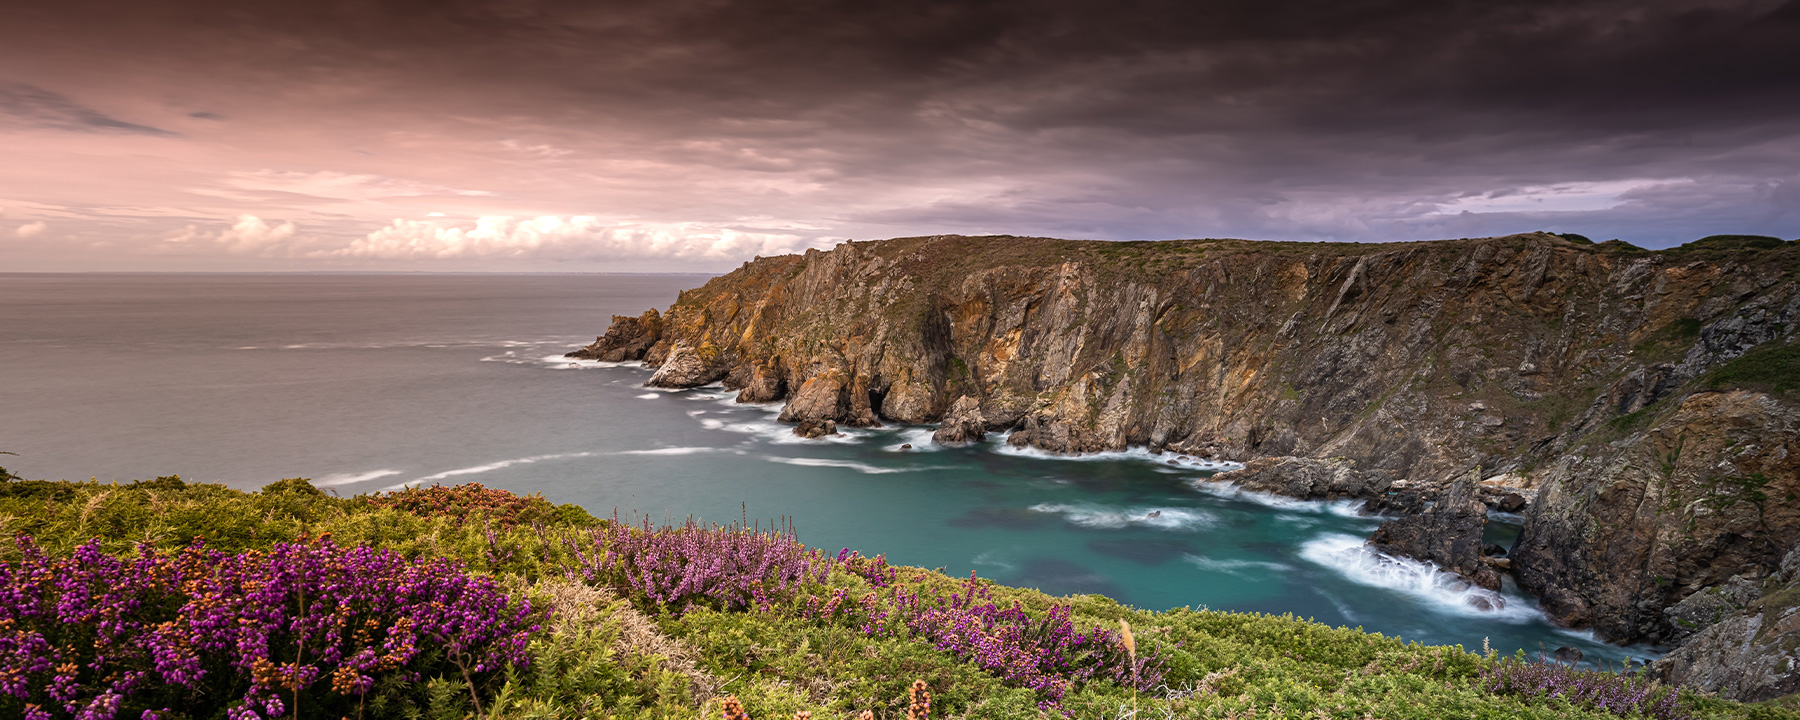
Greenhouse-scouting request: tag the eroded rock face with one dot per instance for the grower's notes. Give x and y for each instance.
(963, 425)
(1623, 531)
(627, 339)
(1752, 653)
(813, 428)
(1381, 371)
(765, 385)
(686, 367)
(1448, 534)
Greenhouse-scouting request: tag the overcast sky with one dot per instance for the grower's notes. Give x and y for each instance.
(695, 134)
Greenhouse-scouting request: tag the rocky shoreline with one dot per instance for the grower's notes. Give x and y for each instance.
(1634, 406)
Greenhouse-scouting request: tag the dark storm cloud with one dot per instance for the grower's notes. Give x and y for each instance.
(1281, 119)
(32, 107)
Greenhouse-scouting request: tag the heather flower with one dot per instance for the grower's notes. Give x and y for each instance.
(1619, 694)
(729, 568)
(1047, 654)
(94, 636)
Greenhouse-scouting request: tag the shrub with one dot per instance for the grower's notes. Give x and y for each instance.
(324, 628)
(1616, 693)
(730, 567)
(462, 503)
(1047, 653)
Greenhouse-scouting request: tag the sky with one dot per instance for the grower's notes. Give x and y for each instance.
(692, 135)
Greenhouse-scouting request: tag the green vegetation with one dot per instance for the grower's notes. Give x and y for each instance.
(1737, 242)
(1772, 366)
(609, 649)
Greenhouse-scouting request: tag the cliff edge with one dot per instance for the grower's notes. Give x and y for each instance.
(1636, 403)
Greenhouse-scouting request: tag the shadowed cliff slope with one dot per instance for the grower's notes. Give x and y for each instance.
(1639, 400)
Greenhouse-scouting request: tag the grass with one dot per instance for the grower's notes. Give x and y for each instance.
(1771, 366)
(607, 652)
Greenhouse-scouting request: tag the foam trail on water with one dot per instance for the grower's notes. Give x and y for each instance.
(1234, 567)
(1003, 447)
(1231, 491)
(849, 464)
(779, 433)
(490, 467)
(336, 479)
(918, 438)
(1437, 590)
(670, 451)
(647, 396)
(1102, 516)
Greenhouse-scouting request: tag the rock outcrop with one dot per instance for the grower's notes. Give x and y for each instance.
(1448, 534)
(962, 425)
(1641, 405)
(627, 339)
(1752, 652)
(1306, 478)
(1624, 530)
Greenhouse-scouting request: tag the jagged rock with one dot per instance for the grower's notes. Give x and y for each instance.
(1306, 478)
(815, 428)
(821, 397)
(1510, 503)
(1448, 534)
(1701, 610)
(1568, 655)
(1751, 654)
(765, 385)
(1485, 603)
(1493, 550)
(627, 339)
(1621, 531)
(687, 367)
(963, 425)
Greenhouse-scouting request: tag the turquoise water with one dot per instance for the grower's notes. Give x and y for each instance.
(368, 382)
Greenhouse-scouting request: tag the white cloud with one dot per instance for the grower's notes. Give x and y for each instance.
(564, 237)
(325, 184)
(249, 235)
(30, 229)
(1560, 197)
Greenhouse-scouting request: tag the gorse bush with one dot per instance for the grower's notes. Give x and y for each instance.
(303, 630)
(462, 503)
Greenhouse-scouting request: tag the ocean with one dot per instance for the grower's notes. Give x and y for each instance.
(366, 383)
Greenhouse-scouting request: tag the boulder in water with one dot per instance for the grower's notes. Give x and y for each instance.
(964, 423)
(815, 428)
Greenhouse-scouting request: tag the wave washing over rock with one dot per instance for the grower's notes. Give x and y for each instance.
(1634, 407)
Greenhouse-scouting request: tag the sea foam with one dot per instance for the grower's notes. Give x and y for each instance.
(1102, 516)
(1423, 582)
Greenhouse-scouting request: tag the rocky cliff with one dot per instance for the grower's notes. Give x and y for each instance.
(1640, 400)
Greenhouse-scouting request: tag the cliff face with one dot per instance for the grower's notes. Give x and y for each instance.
(1554, 370)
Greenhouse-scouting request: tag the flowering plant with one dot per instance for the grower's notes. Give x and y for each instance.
(307, 625)
(462, 502)
(1047, 654)
(731, 567)
(1616, 693)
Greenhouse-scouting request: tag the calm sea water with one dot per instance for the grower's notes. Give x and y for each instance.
(370, 382)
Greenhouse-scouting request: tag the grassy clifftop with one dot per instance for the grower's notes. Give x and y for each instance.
(620, 621)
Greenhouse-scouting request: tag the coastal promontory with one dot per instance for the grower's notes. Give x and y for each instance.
(1636, 408)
